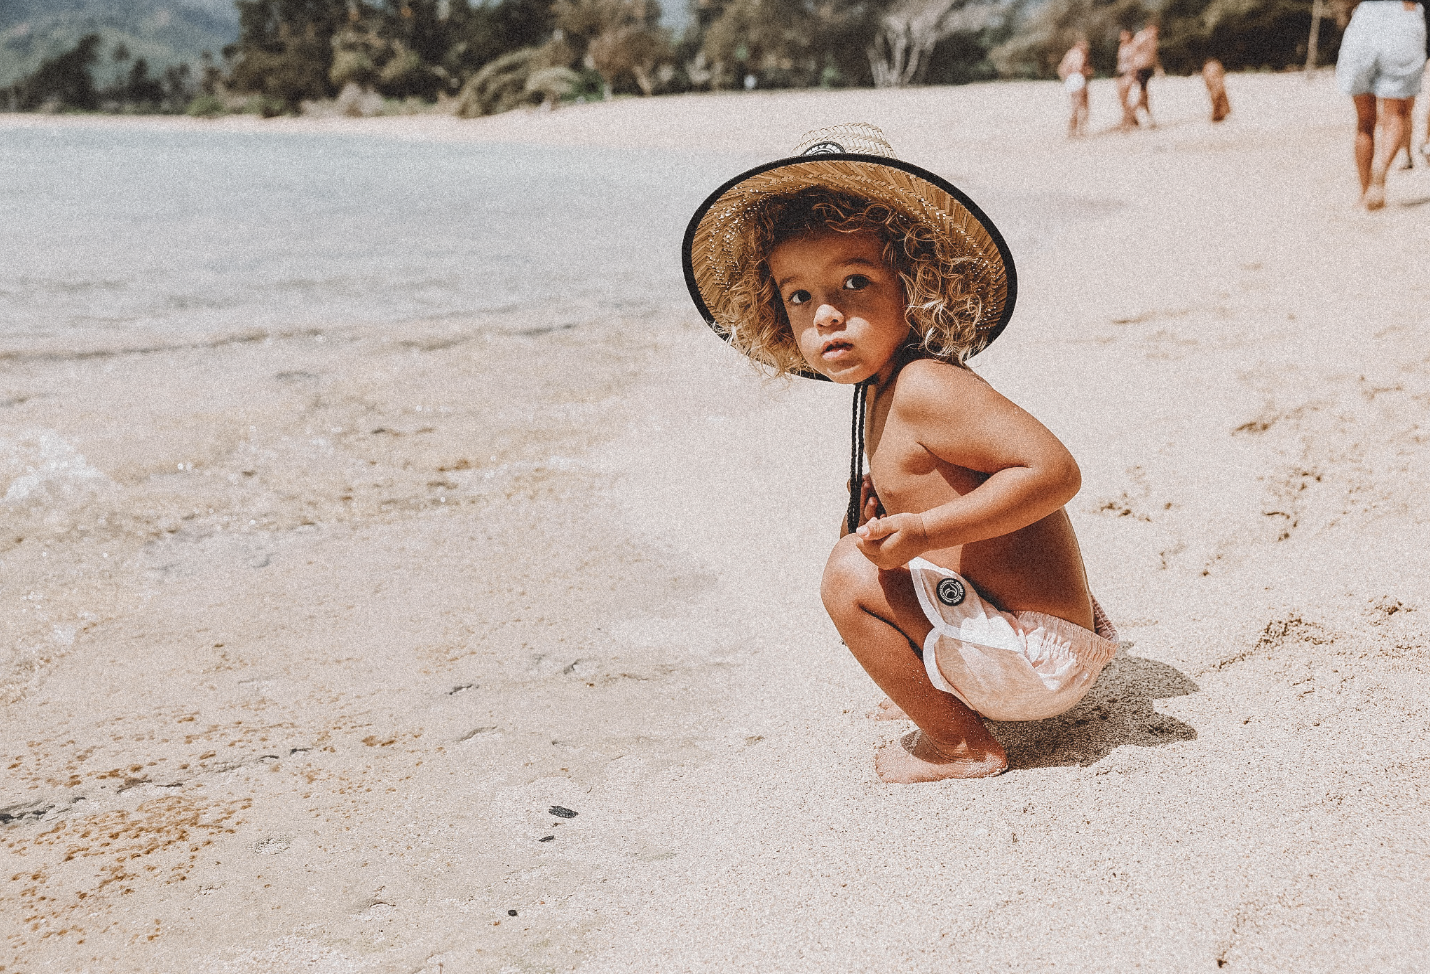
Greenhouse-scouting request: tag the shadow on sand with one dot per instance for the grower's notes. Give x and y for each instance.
(1117, 712)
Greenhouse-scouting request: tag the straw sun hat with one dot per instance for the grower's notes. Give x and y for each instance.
(856, 159)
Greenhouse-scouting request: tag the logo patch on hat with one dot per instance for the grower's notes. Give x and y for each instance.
(950, 591)
(823, 149)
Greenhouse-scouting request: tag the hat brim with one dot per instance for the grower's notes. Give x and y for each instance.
(913, 189)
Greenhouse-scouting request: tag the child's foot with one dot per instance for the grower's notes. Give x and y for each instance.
(888, 710)
(1375, 196)
(916, 757)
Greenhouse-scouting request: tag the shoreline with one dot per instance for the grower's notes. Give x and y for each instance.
(687, 120)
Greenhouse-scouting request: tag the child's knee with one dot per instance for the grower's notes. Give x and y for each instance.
(847, 575)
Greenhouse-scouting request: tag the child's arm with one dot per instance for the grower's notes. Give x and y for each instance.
(961, 420)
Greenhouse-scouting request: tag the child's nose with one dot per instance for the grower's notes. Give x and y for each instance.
(828, 316)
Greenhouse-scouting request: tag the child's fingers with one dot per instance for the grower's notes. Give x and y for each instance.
(876, 528)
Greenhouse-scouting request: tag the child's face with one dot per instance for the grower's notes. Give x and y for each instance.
(844, 304)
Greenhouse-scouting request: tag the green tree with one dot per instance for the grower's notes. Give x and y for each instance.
(210, 74)
(64, 81)
(179, 87)
(419, 34)
(1242, 34)
(771, 41)
(789, 43)
(490, 31)
(141, 88)
(1039, 43)
(359, 51)
(285, 48)
(621, 40)
(962, 57)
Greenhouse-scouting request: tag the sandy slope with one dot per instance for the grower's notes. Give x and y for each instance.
(310, 712)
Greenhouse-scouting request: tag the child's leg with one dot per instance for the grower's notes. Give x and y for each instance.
(879, 617)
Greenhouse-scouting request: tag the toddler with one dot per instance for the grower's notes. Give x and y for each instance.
(958, 583)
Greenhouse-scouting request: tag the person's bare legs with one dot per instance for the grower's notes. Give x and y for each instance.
(1425, 145)
(1405, 139)
(1077, 121)
(1395, 112)
(1124, 89)
(879, 617)
(1144, 102)
(1365, 141)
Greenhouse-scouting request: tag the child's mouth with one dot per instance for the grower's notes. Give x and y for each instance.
(835, 349)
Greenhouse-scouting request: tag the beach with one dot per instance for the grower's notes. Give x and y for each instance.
(317, 628)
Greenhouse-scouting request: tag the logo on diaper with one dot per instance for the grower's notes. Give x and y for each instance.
(950, 591)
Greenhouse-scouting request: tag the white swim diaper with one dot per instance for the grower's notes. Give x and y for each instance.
(1003, 665)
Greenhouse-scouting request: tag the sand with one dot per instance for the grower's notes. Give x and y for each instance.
(310, 630)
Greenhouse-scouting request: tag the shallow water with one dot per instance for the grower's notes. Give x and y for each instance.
(197, 231)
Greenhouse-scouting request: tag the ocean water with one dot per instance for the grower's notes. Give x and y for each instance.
(111, 229)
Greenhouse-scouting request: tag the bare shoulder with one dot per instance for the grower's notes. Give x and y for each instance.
(927, 387)
(958, 417)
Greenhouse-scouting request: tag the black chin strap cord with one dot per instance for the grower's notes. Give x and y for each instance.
(856, 454)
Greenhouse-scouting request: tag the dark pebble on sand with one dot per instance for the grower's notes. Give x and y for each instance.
(546, 838)
(511, 913)
(560, 812)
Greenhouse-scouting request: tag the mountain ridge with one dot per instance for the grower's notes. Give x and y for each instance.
(163, 32)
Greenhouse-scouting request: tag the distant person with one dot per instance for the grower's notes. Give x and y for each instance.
(1214, 75)
(1144, 65)
(1076, 72)
(1381, 65)
(1125, 80)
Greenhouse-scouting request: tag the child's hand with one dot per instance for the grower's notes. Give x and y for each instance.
(891, 541)
(869, 506)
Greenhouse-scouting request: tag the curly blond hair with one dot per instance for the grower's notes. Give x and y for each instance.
(942, 310)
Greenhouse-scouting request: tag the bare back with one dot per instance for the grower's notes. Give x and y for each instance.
(1036, 566)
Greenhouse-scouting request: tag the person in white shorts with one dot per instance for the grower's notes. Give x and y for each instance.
(1076, 72)
(1382, 57)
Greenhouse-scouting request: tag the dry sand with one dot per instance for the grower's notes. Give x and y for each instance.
(305, 703)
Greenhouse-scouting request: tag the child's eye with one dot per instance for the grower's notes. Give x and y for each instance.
(798, 297)
(856, 282)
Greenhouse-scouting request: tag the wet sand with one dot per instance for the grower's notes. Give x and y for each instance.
(307, 631)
